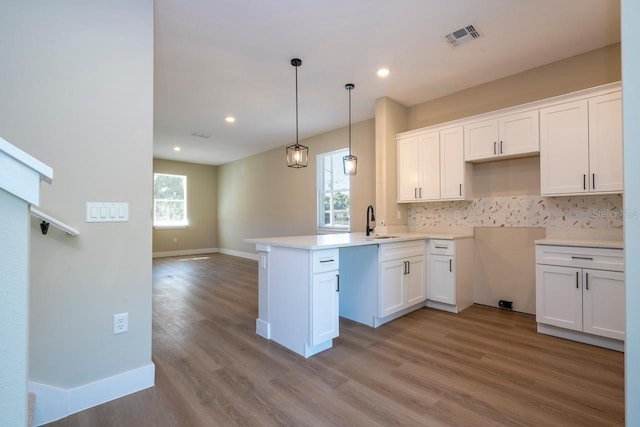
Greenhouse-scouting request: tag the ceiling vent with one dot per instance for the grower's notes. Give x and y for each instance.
(462, 36)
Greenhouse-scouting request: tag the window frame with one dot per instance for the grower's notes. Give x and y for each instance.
(174, 224)
(320, 192)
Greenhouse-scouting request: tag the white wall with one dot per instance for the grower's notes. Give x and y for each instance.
(631, 110)
(76, 92)
(14, 257)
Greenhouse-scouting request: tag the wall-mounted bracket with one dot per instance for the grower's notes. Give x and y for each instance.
(44, 227)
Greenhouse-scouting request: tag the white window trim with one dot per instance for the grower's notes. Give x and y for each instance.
(320, 195)
(182, 225)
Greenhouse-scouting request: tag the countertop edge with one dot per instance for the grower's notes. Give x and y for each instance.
(401, 237)
(610, 244)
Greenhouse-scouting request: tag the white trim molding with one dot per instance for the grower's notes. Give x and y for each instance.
(185, 252)
(54, 403)
(240, 254)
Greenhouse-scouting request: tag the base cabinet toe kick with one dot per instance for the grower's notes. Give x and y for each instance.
(580, 294)
(302, 293)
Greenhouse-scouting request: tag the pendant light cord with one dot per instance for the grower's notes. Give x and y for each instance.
(349, 121)
(296, 67)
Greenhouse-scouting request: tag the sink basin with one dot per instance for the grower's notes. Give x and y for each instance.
(384, 237)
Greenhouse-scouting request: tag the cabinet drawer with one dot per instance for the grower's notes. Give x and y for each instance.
(397, 250)
(441, 247)
(325, 260)
(581, 257)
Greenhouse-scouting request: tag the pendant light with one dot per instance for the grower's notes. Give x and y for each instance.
(297, 155)
(350, 163)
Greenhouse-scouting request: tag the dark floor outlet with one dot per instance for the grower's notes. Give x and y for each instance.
(507, 305)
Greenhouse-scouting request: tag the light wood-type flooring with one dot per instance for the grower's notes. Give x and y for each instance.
(482, 367)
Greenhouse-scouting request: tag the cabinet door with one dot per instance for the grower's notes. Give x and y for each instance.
(564, 149)
(519, 134)
(391, 292)
(408, 169)
(559, 296)
(605, 143)
(452, 164)
(604, 303)
(442, 279)
(324, 307)
(480, 140)
(429, 188)
(414, 283)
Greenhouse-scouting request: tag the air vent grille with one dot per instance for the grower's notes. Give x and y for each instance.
(462, 36)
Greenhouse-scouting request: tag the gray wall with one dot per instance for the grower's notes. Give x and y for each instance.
(77, 94)
(261, 197)
(202, 209)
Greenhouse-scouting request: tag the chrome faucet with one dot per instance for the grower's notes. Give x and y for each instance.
(370, 217)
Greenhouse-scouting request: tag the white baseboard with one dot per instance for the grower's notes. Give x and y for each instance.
(582, 337)
(240, 254)
(54, 403)
(185, 252)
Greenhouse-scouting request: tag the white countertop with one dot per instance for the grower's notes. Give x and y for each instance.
(328, 241)
(612, 244)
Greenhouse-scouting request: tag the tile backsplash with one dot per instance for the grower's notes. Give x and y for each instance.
(574, 212)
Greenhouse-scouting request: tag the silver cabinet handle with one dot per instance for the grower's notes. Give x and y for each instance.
(586, 258)
(415, 193)
(593, 186)
(408, 267)
(584, 182)
(322, 261)
(460, 189)
(494, 148)
(451, 265)
(586, 280)
(420, 192)
(338, 287)
(441, 247)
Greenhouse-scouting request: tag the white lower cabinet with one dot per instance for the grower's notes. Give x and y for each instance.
(450, 288)
(402, 276)
(324, 307)
(441, 279)
(583, 290)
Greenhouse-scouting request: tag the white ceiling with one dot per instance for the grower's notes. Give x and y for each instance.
(232, 57)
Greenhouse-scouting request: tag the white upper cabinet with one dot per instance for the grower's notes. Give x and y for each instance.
(581, 146)
(431, 166)
(513, 135)
(452, 168)
(605, 143)
(419, 167)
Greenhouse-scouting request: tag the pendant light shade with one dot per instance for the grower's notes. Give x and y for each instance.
(297, 154)
(350, 162)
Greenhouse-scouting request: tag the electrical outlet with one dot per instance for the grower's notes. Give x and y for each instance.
(120, 323)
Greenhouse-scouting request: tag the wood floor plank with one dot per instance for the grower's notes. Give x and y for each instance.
(481, 367)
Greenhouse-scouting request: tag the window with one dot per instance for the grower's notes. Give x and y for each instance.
(169, 200)
(333, 191)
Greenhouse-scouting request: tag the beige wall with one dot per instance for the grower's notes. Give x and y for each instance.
(77, 93)
(578, 72)
(261, 197)
(202, 211)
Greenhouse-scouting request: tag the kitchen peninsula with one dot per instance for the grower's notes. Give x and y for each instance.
(307, 282)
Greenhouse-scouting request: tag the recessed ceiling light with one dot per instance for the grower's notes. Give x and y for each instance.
(383, 72)
(229, 119)
(176, 148)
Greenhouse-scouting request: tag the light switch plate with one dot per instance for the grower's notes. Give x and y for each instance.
(107, 212)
